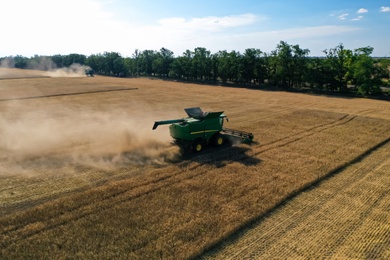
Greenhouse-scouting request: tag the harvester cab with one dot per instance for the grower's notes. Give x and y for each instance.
(200, 129)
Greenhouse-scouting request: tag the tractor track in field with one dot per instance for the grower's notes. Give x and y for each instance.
(105, 202)
(225, 156)
(268, 146)
(290, 139)
(239, 155)
(324, 220)
(293, 138)
(26, 77)
(22, 205)
(127, 192)
(68, 94)
(202, 161)
(277, 110)
(109, 200)
(303, 134)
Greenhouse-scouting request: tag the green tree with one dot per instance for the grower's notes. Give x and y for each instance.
(130, 67)
(249, 61)
(146, 59)
(182, 66)
(214, 67)
(163, 61)
(316, 73)
(201, 64)
(298, 66)
(223, 65)
(70, 59)
(366, 75)
(339, 63)
(262, 67)
(113, 64)
(234, 61)
(136, 58)
(281, 65)
(20, 62)
(58, 60)
(287, 65)
(108, 63)
(95, 61)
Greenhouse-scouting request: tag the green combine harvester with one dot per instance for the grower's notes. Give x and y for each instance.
(89, 72)
(200, 129)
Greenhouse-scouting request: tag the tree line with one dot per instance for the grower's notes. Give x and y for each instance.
(288, 67)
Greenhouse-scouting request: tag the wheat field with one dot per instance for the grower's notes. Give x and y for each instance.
(82, 175)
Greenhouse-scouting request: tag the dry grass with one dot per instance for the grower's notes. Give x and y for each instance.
(98, 183)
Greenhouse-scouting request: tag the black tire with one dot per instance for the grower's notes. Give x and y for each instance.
(218, 140)
(197, 145)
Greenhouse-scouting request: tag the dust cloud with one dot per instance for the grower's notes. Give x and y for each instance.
(44, 66)
(75, 70)
(7, 63)
(72, 138)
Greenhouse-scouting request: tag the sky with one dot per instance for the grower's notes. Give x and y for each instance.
(49, 27)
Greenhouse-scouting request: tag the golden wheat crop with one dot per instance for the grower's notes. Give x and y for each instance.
(82, 174)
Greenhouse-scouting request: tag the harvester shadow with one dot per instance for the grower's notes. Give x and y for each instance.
(222, 156)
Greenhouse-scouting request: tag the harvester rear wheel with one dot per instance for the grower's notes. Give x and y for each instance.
(197, 145)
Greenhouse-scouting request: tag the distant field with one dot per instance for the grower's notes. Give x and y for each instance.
(82, 174)
(10, 73)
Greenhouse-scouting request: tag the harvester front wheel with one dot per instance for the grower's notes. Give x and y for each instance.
(218, 140)
(197, 145)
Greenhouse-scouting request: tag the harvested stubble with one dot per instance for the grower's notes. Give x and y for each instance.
(344, 217)
(57, 206)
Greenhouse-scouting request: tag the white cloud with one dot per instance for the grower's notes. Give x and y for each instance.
(360, 17)
(265, 40)
(362, 11)
(385, 9)
(86, 27)
(343, 16)
(312, 32)
(211, 23)
(174, 33)
(49, 27)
